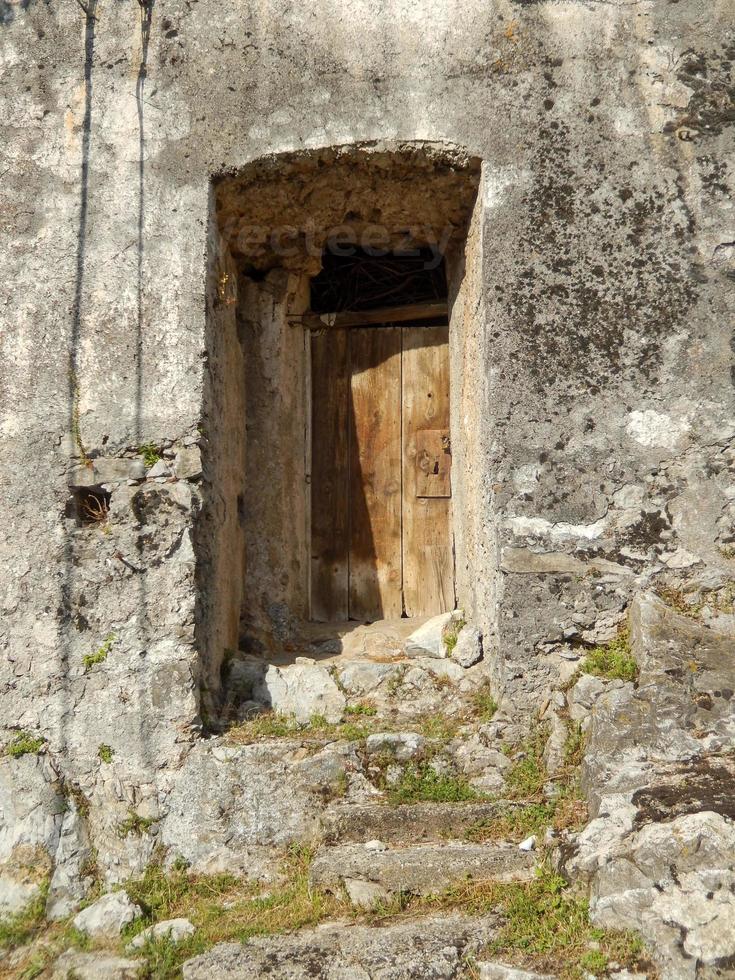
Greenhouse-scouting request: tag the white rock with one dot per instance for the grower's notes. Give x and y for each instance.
(106, 917)
(31, 818)
(468, 649)
(94, 966)
(401, 745)
(376, 845)
(428, 640)
(173, 929)
(656, 429)
(529, 844)
(364, 893)
(302, 689)
(361, 678)
(499, 971)
(159, 468)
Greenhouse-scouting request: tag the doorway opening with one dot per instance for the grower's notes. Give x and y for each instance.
(381, 538)
(343, 395)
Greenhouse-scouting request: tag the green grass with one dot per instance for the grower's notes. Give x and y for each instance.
(420, 783)
(543, 927)
(484, 704)
(527, 775)
(24, 744)
(513, 823)
(273, 725)
(439, 727)
(364, 708)
(21, 927)
(150, 453)
(574, 745)
(547, 927)
(105, 752)
(99, 656)
(134, 824)
(612, 660)
(451, 633)
(285, 907)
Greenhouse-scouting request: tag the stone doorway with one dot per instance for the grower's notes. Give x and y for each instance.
(273, 334)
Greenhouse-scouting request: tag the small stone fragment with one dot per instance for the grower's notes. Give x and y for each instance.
(188, 464)
(428, 640)
(106, 917)
(174, 929)
(529, 844)
(468, 649)
(376, 845)
(364, 894)
(401, 745)
(499, 971)
(160, 468)
(94, 966)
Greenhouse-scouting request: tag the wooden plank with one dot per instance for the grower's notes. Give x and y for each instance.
(329, 477)
(433, 463)
(387, 315)
(428, 564)
(375, 474)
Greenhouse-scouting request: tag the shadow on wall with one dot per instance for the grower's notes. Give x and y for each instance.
(70, 586)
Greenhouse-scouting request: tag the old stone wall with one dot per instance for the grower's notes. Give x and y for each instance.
(600, 403)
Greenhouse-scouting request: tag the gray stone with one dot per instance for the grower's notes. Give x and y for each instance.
(659, 852)
(363, 678)
(235, 807)
(188, 463)
(499, 971)
(303, 689)
(428, 639)
(106, 469)
(32, 808)
(173, 929)
(363, 893)
(468, 649)
(71, 882)
(401, 745)
(94, 966)
(106, 918)
(159, 468)
(431, 949)
(422, 869)
(409, 822)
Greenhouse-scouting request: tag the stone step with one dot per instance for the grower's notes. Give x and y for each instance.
(410, 822)
(435, 948)
(374, 871)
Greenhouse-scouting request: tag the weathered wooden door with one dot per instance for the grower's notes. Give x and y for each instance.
(380, 480)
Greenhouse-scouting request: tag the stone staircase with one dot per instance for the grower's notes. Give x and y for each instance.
(376, 851)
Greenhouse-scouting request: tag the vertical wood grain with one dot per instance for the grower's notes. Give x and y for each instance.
(375, 474)
(329, 476)
(428, 564)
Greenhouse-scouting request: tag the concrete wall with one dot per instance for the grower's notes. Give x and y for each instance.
(605, 131)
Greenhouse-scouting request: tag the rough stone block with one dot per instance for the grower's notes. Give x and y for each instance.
(468, 649)
(303, 689)
(106, 918)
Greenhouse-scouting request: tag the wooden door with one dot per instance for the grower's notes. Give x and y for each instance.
(428, 564)
(380, 483)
